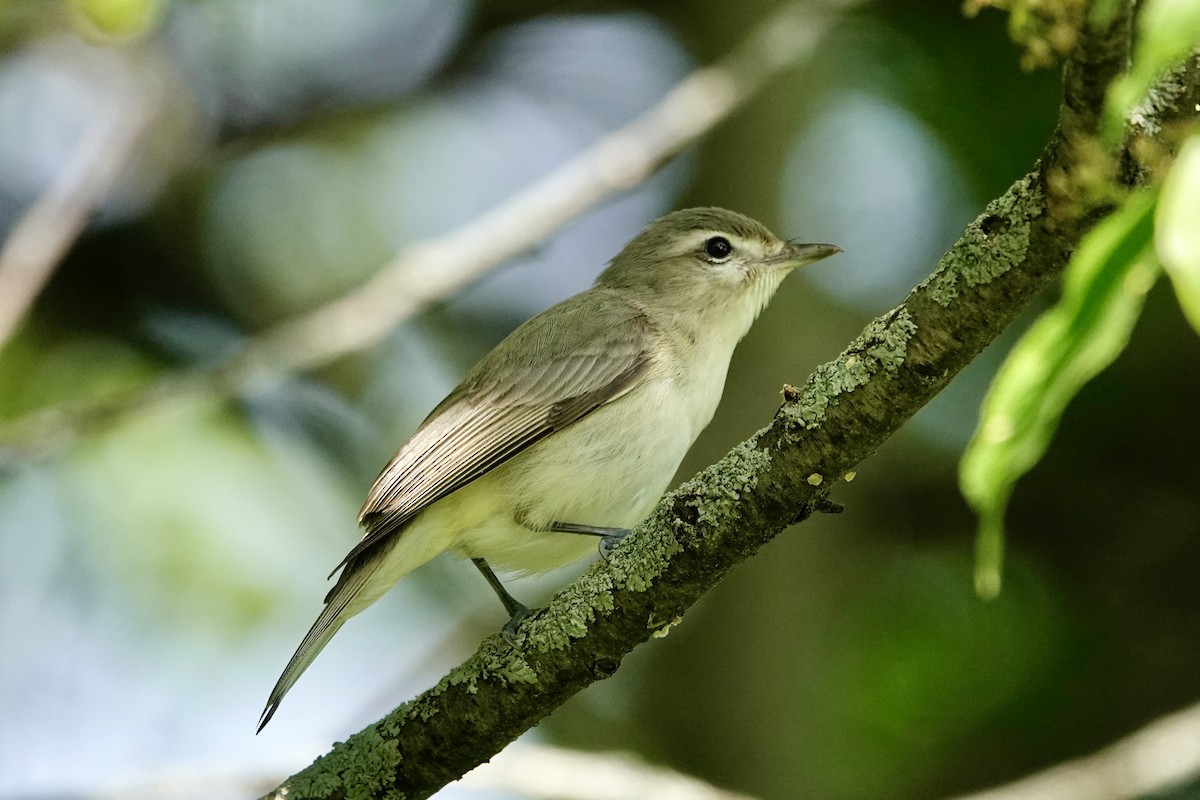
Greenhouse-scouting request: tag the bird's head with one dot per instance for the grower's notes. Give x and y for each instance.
(708, 261)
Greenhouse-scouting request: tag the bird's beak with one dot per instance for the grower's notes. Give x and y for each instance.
(796, 254)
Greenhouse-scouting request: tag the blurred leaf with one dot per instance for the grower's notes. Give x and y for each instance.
(198, 521)
(1167, 31)
(121, 19)
(1177, 229)
(1106, 282)
(922, 665)
(18, 17)
(39, 369)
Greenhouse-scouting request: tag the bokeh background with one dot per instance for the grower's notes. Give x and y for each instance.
(158, 573)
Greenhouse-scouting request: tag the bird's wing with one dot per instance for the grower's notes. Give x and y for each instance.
(562, 368)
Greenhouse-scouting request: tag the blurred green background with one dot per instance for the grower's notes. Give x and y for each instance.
(158, 573)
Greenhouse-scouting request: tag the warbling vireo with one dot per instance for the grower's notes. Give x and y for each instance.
(573, 425)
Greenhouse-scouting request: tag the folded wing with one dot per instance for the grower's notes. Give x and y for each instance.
(558, 370)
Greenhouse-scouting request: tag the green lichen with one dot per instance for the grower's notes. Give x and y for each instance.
(640, 559)
(496, 659)
(425, 711)
(394, 721)
(361, 768)
(720, 487)
(572, 612)
(643, 556)
(633, 566)
(882, 346)
(992, 245)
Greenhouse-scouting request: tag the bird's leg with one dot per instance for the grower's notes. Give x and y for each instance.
(610, 537)
(517, 611)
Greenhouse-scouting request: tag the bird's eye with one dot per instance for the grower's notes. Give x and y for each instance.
(718, 248)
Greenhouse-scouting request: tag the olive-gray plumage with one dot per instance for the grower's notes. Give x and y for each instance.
(577, 420)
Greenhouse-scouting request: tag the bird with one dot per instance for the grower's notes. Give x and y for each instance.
(572, 427)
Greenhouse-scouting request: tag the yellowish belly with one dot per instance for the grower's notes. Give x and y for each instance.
(607, 470)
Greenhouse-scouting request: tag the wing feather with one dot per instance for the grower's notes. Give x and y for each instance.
(586, 358)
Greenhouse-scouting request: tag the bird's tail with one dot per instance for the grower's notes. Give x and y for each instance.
(327, 624)
(364, 579)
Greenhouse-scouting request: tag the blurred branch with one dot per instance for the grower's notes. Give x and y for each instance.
(194, 780)
(433, 269)
(540, 772)
(43, 235)
(437, 268)
(1162, 755)
(778, 477)
(533, 771)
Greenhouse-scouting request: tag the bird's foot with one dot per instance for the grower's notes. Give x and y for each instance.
(518, 615)
(610, 537)
(517, 611)
(609, 543)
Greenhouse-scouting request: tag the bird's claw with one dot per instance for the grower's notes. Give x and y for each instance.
(509, 631)
(609, 537)
(609, 543)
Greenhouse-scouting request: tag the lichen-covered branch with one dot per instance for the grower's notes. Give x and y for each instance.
(699, 532)
(846, 410)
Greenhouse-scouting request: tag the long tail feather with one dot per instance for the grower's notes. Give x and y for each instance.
(330, 620)
(364, 579)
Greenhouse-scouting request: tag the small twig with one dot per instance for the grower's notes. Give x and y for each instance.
(43, 235)
(1162, 755)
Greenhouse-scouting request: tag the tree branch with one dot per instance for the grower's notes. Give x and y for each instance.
(712, 522)
(845, 411)
(43, 235)
(1163, 754)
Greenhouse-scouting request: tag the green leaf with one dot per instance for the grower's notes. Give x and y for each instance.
(1177, 229)
(1168, 30)
(121, 19)
(1106, 283)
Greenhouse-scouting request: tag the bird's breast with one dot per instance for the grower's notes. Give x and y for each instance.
(606, 470)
